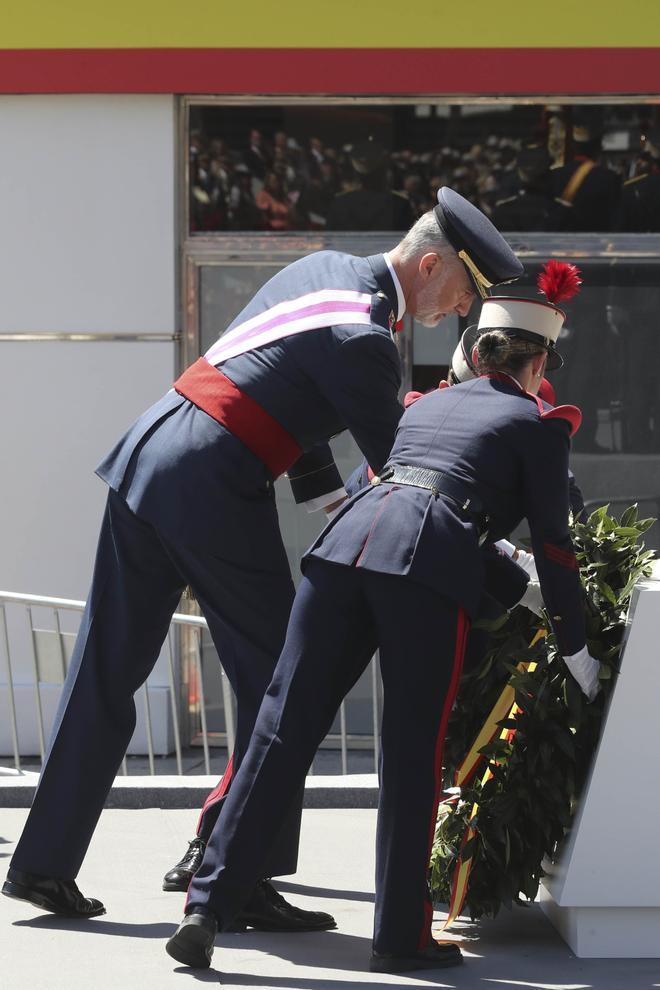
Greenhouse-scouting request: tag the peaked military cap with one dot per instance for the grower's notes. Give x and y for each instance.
(480, 246)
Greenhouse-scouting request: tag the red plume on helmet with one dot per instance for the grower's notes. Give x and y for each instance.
(559, 281)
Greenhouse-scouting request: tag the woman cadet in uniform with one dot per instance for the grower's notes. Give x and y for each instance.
(401, 569)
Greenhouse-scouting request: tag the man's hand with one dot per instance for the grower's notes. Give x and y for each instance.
(584, 668)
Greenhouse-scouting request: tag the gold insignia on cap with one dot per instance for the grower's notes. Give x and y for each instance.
(480, 279)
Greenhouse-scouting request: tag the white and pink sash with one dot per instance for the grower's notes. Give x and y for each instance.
(325, 308)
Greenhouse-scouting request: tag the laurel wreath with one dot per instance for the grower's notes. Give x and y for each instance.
(526, 807)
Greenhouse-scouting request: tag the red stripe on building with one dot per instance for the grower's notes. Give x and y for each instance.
(365, 71)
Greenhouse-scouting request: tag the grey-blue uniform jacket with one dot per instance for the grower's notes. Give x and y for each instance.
(506, 449)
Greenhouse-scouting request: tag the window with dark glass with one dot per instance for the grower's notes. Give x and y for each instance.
(562, 168)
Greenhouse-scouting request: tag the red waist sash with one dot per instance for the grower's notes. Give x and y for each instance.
(215, 394)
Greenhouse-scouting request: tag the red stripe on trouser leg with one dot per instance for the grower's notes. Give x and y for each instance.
(219, 791)
(215, 795)
(462, 630)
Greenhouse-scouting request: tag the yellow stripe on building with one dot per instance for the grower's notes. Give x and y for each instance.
(342, 24)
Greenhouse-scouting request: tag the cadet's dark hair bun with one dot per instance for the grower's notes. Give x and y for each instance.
(497, 351)
(493, 343)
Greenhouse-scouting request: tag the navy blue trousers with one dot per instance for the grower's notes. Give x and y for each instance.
(137, 583)
(341, 615)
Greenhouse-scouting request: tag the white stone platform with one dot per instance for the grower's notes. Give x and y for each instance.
(603, 894)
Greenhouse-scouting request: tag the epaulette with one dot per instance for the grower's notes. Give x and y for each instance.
(635, 178)
(570, 414)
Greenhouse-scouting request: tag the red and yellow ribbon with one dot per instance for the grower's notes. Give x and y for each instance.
(504, 707)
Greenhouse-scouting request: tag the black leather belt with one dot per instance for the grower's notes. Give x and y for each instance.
(441, 484)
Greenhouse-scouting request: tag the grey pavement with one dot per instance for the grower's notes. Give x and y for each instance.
(125, 948)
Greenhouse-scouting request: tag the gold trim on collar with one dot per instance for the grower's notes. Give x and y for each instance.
(479, 278)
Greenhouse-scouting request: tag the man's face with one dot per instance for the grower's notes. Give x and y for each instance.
(442, 286)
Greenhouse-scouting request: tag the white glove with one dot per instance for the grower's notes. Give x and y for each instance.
(528, 564)
(521, 557)
(585, 669)
(532, 599)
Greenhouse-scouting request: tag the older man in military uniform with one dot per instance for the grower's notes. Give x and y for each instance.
(191, 502)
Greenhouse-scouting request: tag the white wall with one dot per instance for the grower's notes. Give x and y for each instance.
(87, 205)
(87, 200)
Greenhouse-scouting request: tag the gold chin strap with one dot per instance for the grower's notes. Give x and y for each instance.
(479, 278)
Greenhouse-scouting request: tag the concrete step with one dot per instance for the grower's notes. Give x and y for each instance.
(17, 790)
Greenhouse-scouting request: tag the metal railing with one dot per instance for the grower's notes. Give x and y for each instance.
(194, 625)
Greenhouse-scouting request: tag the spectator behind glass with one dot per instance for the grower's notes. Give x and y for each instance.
(273, 203)
(587, 192)
(413, 189)
(207, 201)
(317, 196)
(257, 157)
(372, 205)
(532, 206)
(639, 209)
(315, 156)
(244, 214)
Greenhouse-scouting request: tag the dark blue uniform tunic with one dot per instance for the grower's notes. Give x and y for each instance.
(402, 571)
(189, 503)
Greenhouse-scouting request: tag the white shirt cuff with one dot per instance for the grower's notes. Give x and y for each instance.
(506, 547)
(579, 658)
(314, 504)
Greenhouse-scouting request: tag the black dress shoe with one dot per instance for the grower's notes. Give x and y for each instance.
(192, 943)
(267, 911)
(179, 877)
(436, 956)
(58, 896)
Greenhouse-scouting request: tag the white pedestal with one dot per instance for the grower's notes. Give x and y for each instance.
(603, 894)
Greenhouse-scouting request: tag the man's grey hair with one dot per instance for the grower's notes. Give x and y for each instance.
(425, 236)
